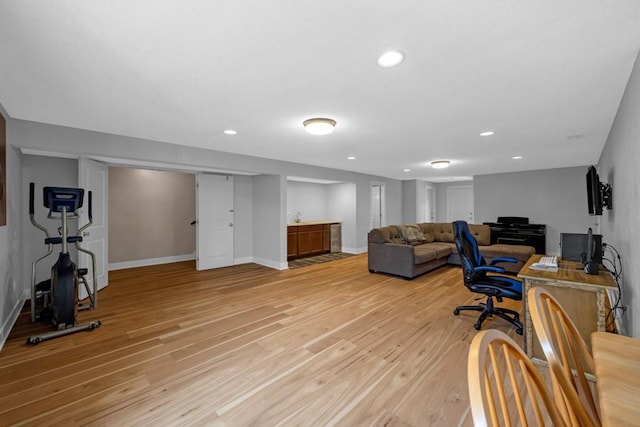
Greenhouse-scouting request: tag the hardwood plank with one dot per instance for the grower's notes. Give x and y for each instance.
(324, 344)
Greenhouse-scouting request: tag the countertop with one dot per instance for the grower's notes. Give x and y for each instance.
(316, 222)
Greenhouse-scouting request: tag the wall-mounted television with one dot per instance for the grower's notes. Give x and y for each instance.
(598, 193)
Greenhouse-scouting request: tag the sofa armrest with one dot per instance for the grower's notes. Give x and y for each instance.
(392, 258)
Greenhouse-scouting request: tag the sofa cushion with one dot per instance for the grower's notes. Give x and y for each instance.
(411, 234)
(426, 232)
(482, 233)
(441, 231)
(443, 250)
(424, 253)
(387, 234)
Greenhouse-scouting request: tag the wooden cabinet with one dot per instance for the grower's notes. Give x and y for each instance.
(292, 242)
(308, 240)
(582, 296)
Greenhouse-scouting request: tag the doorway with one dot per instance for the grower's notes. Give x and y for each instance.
(460, 203)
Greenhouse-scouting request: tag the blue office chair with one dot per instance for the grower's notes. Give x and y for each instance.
(475, 269)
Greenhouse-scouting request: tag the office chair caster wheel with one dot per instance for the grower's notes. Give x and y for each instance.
(456, 311)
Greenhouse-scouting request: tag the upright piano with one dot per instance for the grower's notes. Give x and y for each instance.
(515, 230)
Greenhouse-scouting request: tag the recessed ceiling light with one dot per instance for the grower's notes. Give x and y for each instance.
(319, 126)
(230, 132)
(351, 158)
(440, 164)
(487, 133)
(390, 59)
(516, 157)
(406, 170)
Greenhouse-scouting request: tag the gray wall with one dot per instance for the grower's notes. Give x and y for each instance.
(12, 287)
(554, 197)
(309, 199)
(242, 219)
(150, 213)
(409, 200)
(269, 200)
(619, 165)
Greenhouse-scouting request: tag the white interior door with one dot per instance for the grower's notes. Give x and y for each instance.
(214, 225)
(93, 176)
(460, 203)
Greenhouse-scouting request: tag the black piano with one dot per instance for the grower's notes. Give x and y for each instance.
(515, 230)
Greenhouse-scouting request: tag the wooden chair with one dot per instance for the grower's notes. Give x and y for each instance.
(568, 357)
(505, 387)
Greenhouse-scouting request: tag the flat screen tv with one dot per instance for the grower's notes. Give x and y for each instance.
(594, 193)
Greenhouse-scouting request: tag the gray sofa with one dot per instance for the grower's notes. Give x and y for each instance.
(413, 249)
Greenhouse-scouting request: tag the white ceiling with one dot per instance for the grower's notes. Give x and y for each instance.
(546, 75)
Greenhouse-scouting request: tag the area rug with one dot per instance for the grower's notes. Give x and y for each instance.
(318, 259)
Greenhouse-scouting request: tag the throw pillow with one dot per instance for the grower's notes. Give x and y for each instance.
(413, 235)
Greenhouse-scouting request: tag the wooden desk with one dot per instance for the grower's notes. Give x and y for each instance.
(583, 296)
(617, 361)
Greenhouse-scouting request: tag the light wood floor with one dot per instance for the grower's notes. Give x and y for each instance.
(329, 344)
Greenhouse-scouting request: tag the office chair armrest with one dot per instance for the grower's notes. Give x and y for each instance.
(491, 268)
(503, 259)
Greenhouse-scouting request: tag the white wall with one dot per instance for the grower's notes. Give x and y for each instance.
(554, 197)
(619, 165)
(341, 207)
(269, 221)
(242, 219)
(309, 199)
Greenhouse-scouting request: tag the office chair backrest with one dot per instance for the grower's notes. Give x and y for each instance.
(467, 246)
(568, 357)
(505, 387)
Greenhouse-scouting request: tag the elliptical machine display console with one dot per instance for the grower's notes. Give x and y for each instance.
(56, 298)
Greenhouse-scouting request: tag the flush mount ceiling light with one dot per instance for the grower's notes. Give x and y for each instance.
(390, 59)
(230, 132)
(319, 126)
(440, 164)
(487, 133)
(516, 157)
(351, 158)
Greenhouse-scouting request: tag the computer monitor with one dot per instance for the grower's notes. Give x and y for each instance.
(574, 247)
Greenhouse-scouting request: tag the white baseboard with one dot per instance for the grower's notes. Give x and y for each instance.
(150, 261)
(272, 264)
(10, 321)
(354, 251)
(245, 260)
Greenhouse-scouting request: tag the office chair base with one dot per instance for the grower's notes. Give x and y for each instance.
(489, 310)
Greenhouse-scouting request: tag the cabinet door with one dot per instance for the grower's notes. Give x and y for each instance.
(292, 243)
(315, 240)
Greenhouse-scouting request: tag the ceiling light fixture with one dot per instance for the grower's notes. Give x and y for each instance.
(390, 59)
(319, 126)
(516, 157)
(351, 158)
(230, 132)
(487, 133)
(440, 164)
(406, 170)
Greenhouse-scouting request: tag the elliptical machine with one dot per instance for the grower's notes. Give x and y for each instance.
(59, 294)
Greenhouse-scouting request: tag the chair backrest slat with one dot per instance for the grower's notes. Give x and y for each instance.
(505, 387)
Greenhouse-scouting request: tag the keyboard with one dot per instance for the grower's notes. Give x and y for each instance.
(549, 263)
